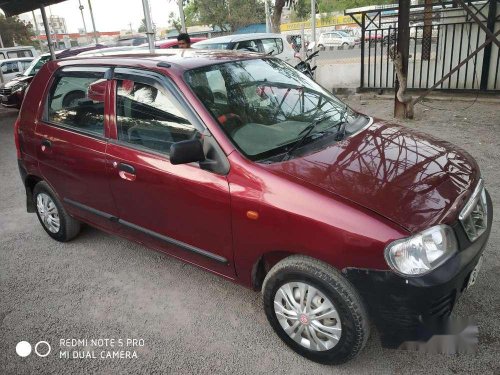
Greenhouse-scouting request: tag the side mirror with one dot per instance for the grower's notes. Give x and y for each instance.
(185, 152)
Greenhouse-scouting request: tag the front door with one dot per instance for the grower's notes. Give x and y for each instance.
(183, 210)
(72, 140)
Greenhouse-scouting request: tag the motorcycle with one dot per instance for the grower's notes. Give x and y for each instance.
(304, 66)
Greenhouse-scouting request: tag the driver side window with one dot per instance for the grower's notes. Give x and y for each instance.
(147, 117)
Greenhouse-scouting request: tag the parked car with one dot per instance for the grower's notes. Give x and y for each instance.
(17, 51)
(241, 165)
(14, 67)
(132, 41)
(174, 43)
(336, 39)
(12, 92)
(267, 43)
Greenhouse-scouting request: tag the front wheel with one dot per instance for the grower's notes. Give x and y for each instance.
(315, 310)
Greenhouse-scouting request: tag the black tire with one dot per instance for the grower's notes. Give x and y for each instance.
(69, 227)
(72, 97)
(321, 47)
(330, 282)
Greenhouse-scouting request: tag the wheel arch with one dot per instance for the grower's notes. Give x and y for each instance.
(29, 183)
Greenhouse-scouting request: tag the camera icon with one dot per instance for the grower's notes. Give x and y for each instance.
(42, 349)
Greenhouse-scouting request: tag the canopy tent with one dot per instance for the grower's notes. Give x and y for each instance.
(15, 7)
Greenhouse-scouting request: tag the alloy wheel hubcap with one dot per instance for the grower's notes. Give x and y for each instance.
(307, 316)
(48, 212)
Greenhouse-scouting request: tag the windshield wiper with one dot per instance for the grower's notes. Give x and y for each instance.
(306, 131)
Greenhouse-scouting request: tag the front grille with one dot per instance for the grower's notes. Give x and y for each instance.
(474, 216)
(5, 91)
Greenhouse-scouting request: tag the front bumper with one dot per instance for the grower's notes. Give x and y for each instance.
(403, 308)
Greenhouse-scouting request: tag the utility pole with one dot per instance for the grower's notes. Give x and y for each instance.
(37, 31)
(83, 19)
(47, 33)
(1, 42)
(268, 18)
(181, 15)
(93, 22)
(313, 22)
(149, 27)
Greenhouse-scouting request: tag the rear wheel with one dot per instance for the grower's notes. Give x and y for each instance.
(315, 310)
(52, 215)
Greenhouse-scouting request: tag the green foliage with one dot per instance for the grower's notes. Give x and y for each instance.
(12, 29)
(224, 13)
(142, 28)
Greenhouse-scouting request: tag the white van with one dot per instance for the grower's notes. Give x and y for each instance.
(18, 51)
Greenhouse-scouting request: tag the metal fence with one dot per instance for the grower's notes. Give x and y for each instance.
(440, 38)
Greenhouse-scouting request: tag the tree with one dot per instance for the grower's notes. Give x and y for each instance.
(142, 28)
(227, 14)
(302, 10)
(15, 31)
(191, 16)
(276, 15)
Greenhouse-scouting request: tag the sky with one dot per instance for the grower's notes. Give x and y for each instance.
(110, 15)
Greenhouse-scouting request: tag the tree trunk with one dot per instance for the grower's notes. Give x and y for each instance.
(276, 17)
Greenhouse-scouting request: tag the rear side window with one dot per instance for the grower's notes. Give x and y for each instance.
(25, 64)
(248, 45)
(272, 46)
(10, 67)
(147, 117)
(76, 101)
(21, 53)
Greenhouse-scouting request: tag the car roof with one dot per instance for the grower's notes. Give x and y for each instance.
(179, 59)
(239, 38)
(17, 59)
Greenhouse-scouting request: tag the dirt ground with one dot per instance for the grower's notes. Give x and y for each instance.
(101, 286)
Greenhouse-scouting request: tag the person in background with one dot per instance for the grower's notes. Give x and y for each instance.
(184, 40)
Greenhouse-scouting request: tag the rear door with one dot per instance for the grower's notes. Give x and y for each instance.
(71, 141)
(183, 210)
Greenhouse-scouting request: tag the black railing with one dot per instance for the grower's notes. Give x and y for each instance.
(436, 47)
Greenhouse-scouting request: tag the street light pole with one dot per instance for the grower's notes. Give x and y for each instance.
(149, 26)
(93, 22)
(83, 19)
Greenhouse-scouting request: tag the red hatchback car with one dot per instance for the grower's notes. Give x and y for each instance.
(241, 165)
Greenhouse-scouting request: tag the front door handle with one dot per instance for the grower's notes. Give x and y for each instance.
(126, 168)
(46, 144)
(126, 171)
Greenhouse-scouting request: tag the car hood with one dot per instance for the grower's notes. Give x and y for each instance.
(411, 178)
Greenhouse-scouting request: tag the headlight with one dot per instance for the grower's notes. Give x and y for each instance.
(18, 87)
(423, 252)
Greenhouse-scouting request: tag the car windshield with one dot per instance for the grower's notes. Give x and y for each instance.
(35, 66)
(265, 106)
